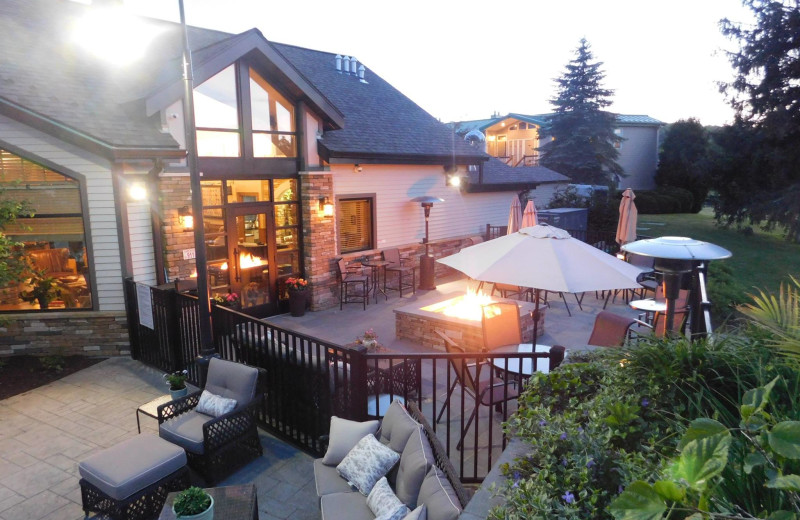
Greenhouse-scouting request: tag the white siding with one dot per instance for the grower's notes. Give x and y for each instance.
(402, 222)
(100, 216)
(140, 228)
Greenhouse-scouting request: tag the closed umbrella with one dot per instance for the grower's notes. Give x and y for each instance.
(544, 258)
(626, 227)
(515, 216)
(529, 216)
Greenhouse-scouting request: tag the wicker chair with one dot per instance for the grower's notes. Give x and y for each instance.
(216, 446)
(403, 271)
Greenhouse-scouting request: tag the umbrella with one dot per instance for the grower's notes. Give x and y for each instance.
(515, 216)
(544, 258)
(529, 216)
(626, 227)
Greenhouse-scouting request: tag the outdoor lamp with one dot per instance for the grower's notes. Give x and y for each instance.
(452, 179)
(185, 218)
(675, 256)
(426, 265)
(325, 207)
(137, 191)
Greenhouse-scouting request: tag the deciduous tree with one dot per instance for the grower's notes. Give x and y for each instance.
(683, 160)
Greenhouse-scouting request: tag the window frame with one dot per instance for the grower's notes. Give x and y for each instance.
(372, 199)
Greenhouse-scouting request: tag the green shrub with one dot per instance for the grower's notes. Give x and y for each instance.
(724, 291)
(54, 363)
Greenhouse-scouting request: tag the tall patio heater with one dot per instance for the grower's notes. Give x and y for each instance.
(675, 256)
(426, 261)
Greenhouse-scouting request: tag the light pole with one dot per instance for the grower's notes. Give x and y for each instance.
(426, 261)
(204, 301)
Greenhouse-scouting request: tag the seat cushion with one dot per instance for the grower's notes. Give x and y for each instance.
(338, 506)
(185, 430)
(439, 496)
(132, 465)
(328, 480)
(397, 426)
(232, 380)
(415, 461)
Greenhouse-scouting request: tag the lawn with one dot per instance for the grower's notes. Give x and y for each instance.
(761, 260)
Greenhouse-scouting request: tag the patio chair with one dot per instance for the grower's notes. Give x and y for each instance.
(610, 330)
(507, 291)
(403, 271)
(475, 377)
(353, 285)
(216, 446)
(678, 321)
(500, 324)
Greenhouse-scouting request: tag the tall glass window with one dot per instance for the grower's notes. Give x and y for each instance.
(216, 115)
(53, 240)
(273, 120)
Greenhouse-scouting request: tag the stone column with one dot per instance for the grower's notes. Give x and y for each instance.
(173, 194)
(319, 240)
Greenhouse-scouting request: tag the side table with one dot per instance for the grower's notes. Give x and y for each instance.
(150, 409)
(230, 503)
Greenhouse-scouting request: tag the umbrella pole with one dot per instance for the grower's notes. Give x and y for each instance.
(535, 316)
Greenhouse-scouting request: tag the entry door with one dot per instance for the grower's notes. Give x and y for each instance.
(251, 245)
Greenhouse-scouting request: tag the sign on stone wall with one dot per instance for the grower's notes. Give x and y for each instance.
(145, 305)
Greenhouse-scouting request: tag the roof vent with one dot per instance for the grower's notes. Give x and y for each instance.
(338, 59)
(361, 70)
(353, 66)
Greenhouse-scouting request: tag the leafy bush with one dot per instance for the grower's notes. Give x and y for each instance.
(667, 199)
(597, 426)
(54, 363)
(724, 291)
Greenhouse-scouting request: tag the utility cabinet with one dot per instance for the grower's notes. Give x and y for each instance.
(570, 219)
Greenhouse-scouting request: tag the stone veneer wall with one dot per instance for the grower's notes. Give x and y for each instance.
(65, 333)
(173, 194)
(319, 240)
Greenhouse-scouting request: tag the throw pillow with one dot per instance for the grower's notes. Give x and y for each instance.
(415, 461)
(397, 426)
(439, 496)
(366, 463)
(343, 436)
(214, 405)
(420, 513)
(384, 504)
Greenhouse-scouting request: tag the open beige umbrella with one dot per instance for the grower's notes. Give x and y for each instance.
(529, 216)
(626, 227)
(544, 258)
(515, 216)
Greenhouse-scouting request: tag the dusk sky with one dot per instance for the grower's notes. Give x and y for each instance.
(466, 60)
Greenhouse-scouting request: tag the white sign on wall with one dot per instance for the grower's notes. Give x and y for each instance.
(145, 305)
(188, 254)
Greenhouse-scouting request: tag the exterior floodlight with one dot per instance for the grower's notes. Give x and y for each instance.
(675, 256)
(426, 265)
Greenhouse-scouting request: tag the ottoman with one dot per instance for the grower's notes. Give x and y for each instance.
(131, 480)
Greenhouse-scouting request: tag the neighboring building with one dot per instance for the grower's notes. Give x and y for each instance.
(514, 139)
(282, 132)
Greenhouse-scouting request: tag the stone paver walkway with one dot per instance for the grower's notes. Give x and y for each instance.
(44, 433)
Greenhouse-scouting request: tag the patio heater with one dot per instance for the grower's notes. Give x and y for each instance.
(426, 261)
(674, 257)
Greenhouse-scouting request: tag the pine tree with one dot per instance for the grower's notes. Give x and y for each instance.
(583, 146)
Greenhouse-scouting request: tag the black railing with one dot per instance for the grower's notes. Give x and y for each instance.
(308, 380)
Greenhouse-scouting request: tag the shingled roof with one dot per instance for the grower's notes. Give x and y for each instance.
(499, 175)
(462, 127)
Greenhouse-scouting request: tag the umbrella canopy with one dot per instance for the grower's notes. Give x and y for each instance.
(529, 216)
(544, 257)
(626, 227)
(515, 216)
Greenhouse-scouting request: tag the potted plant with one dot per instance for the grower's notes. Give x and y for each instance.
(44, 289)
(194, 503)
(369, 339)
(177, 383)
(226, 300)
(297, 288)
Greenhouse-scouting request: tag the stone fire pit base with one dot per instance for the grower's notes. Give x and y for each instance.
(418, 325)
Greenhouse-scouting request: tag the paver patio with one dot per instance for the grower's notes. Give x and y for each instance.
(44, 433)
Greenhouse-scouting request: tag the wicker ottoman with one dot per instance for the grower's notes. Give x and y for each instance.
(131, 480)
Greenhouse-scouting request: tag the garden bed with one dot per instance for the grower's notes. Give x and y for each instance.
(19, 374)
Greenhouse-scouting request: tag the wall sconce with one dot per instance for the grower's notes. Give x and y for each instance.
(357, 168)
(452, 179)
(137, 191)
(325, 207)
(186, 219)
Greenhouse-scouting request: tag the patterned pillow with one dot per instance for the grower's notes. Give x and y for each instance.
(366, 463)
(214, 405)
(384, 504)
(420, 513)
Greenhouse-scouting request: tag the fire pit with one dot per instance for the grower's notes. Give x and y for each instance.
(460, 318)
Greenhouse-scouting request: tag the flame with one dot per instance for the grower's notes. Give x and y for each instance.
(246, 260)
(194, 274)
(469, 307)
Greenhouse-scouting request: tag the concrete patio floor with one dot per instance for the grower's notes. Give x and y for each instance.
(45, 432)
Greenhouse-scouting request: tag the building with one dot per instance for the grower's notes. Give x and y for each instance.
(514, 139)
(305, 156)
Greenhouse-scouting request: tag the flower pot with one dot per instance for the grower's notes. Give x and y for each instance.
(208, 514)
(178, 393)
(369, 343)
(297, 303)
(44, 303)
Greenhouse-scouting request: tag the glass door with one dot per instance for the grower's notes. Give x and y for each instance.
(251, 245)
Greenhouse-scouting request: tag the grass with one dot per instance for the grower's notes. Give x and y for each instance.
(761, 260)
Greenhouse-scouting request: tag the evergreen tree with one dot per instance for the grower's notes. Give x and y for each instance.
(683, 160)
(766, 97)
(583, 146)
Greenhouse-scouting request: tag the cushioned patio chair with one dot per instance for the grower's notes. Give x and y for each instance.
(610, 330)
(216, 446)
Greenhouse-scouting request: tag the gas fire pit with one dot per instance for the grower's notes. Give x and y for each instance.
(460, 318)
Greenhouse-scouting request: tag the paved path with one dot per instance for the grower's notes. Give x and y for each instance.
(44, 433)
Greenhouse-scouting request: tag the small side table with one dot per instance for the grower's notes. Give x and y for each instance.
(150, 409)
(230, 503)
(378, 269)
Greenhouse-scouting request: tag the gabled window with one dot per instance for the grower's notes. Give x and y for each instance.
(273, 120)
(216, 115)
